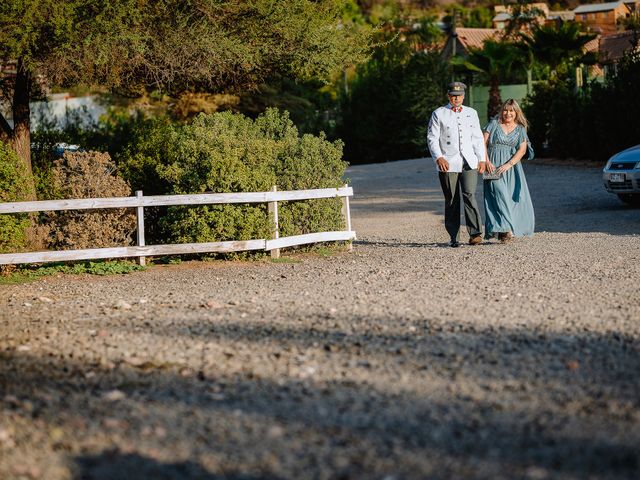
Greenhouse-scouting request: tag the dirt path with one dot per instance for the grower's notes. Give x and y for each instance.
(403, 359)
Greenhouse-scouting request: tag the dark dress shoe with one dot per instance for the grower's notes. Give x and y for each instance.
(475, 240)
(454, 244)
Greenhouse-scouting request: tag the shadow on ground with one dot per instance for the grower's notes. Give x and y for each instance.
(113, 465)
(569, 422)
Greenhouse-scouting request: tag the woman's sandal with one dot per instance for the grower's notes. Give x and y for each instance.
(505, 236)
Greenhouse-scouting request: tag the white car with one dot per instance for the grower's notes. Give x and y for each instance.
(621, 175)
(60, 148)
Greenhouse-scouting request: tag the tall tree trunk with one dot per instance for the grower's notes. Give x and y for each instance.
(21, 136)
(6, 132)
(495, 102)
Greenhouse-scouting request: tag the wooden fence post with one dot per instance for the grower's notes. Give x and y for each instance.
(140, 230)
(346, 213)
(273, 213)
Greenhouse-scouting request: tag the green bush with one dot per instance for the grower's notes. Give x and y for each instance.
(14, 186)
(228, 152)
(311, 162)
(74, 128)
(593, 123)
(219, 152)
(139, 145)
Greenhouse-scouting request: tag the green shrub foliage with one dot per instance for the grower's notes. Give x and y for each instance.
(386, 115)
(219, 152)
(14, 186)
(228, 152)
(593, 123)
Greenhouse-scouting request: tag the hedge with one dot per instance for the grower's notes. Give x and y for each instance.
(228, 152)
(592, 123)
(217, 153)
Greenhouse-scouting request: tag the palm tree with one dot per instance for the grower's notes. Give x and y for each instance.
(559, 47)
(495, 62)
(524, 17)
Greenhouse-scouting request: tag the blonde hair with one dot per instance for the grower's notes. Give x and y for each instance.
(513, 105)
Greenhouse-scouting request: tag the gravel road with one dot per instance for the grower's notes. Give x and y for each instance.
(404, 359)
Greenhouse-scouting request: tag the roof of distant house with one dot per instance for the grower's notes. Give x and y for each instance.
(592, 45)
(595, 70)
(613, 47)
(597, 7)
(475, 37)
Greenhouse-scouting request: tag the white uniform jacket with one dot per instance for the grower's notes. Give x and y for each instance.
(456, 135)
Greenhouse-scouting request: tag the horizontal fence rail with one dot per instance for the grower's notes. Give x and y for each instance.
(139, 202)
(172, 200)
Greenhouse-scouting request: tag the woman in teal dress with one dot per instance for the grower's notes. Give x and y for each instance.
(507, 203)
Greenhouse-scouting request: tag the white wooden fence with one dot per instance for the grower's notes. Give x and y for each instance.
(139, 202)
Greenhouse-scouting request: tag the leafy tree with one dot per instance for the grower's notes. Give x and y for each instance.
(390, 100)
(476, 17)
(579, 125)
(496, 62)
(632, 22)
(618, 98)
(554, 50)
(523, 18)
(558, 48)
(172, 45)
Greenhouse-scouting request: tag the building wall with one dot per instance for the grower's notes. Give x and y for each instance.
(478, 98)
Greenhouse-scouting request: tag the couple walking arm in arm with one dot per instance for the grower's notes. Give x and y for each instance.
(461, 151)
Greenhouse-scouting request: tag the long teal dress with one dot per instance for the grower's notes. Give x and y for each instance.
(507, 203)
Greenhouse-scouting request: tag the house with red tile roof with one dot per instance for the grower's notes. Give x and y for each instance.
(611, 48)
(462, 39)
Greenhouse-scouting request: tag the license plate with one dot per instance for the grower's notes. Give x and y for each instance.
(616, 177)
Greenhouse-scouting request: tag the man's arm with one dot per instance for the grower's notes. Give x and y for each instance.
(479, 148)
(433, 140)
(433, 135)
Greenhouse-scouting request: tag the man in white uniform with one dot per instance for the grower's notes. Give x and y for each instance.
(457, 146)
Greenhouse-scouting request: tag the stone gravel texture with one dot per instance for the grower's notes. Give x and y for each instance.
(403, 359)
